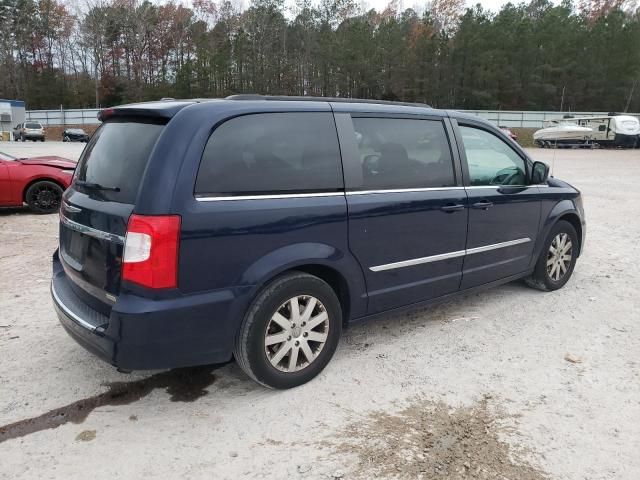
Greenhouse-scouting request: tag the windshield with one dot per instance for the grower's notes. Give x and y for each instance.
(116, 158)
(6, 156)
(32, 125)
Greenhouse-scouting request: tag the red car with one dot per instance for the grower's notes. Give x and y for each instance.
(37, 181)
(512, 135)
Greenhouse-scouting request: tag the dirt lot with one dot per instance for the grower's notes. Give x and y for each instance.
(511, 383)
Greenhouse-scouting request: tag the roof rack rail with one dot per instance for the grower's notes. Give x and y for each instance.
(251, 96)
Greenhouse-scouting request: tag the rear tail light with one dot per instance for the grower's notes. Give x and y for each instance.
(150, 255)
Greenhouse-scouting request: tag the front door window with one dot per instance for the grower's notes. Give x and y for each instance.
(491, 161)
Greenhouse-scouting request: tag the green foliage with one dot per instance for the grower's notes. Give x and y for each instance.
(521, 57)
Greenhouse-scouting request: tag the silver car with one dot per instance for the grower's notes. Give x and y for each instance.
(29, 131)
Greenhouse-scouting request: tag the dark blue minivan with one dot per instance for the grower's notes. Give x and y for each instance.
(258, 227)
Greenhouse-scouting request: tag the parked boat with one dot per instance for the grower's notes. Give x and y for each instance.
(563, 133)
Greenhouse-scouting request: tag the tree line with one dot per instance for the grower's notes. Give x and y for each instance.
(529, 56)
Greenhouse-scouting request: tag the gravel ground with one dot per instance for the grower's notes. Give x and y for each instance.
(509, 383)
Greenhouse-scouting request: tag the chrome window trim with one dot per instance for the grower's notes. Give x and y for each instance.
(449, 255)
(68, 312)
(269, 196)
(477, 187)
(474, 187)
(92, 232)
(403, 190)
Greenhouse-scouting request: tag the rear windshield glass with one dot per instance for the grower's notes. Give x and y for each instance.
(116, 158)
(32, 125)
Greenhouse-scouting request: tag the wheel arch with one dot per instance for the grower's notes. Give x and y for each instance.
(335, 280)
(563, 210)
(574, 220)
(339, 269)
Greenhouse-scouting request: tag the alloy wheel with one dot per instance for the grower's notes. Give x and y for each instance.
(296, 333)
(559, 256)
(45, 197)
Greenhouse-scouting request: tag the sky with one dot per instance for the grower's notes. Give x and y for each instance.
(379, 5)
(493, 5)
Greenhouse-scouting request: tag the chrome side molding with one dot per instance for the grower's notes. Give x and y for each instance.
(447, 256)
(418, 261)
(486, 248)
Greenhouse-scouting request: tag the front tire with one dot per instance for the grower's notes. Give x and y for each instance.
(557, 260)
(44, 197)
(290, 331)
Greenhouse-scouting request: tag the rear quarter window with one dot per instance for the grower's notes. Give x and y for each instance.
(270, 153)
(116, 158)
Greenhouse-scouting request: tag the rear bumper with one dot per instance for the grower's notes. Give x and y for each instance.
(33, 136)
(141, 333)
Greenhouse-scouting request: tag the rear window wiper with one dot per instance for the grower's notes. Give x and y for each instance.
(96, 186)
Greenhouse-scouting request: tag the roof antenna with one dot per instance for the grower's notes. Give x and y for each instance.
(553, 159)
(555, 147)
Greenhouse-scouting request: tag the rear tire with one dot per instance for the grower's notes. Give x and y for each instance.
(280, 348)
(44, 197)
(557, 259)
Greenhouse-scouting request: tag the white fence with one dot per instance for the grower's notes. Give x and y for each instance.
(530, 119)
(87, 116)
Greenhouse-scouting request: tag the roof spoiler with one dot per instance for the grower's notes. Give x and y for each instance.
(159, 110)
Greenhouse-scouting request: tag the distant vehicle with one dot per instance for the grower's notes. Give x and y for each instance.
(615, 130)
(37, 181)
(29, 131)
(75, 135)
(286, 219)
(510, 133)
(563, 133)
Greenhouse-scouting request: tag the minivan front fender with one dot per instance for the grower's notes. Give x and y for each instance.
(552, 212)
(305, 256)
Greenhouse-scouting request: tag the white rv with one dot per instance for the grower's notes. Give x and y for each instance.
(613, 129)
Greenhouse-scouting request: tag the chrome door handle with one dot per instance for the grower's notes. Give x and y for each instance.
(483, 205)
(452, 208)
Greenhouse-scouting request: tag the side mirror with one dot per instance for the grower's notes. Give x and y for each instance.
(539, 173)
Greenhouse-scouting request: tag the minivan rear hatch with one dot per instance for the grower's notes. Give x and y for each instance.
(96, 208)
